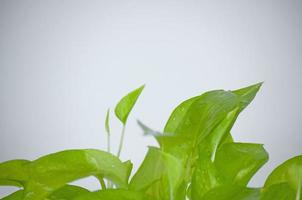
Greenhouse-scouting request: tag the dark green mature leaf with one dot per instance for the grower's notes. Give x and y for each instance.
(289, 172)
(233, 192)
(49, 173)
(125, 105)
(158, 168)
(114, 194)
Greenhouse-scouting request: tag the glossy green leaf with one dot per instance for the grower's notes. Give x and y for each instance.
(125, 105)
(113, 194)
(204, 178)
(197, 158)
(207, 120)
(280, 191)
(289, 172)
(68, 192)
(235, 163)
(247, 94)
(13, 173)
(48, 173)
(232, 192)
(158, 167)
(202, 114)
(209, 146)
(18, 195)
(238, 162)
(178, 115)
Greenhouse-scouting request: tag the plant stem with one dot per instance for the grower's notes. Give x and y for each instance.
(121, 141)
(108, 143)
(298, 191)
(109, 184)
(102, 182)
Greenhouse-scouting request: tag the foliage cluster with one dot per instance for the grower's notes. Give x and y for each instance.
(196, 159)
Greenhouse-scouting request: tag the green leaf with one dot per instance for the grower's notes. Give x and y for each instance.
(13, 172)
(18, 195)
(238, 162)
(125, 105)
(178, 115)
(208, 147)
(280, 191)
(206, 119)
(232, 192)
(113, 194)
(68, 192)
(107, 127)
(289, 172)
(235, 163)
(49, 173)
(247, 94)
(204, 178)
(158, 167)
(202, 114)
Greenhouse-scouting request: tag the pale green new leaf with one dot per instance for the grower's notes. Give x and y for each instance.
(125, 105)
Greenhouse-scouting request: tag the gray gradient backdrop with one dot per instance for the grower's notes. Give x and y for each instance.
(63, 63)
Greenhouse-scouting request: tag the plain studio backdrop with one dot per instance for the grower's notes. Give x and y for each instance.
(63, 63)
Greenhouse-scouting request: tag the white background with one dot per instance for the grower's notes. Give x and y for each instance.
(63, 63)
